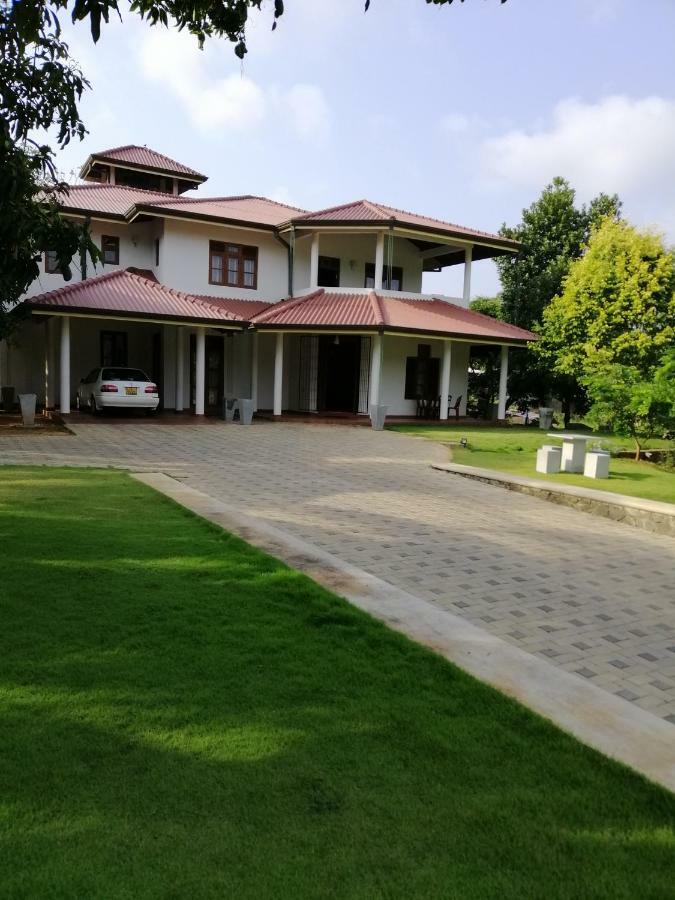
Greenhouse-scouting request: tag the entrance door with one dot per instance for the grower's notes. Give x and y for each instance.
(338, 381)
(214, 386)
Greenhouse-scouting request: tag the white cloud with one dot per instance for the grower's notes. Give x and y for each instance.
(214, 99)
(617, 144)
(308, 111)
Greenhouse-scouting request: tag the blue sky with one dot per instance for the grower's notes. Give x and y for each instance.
(463, 112)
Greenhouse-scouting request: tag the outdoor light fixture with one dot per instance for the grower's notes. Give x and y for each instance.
(336, 340)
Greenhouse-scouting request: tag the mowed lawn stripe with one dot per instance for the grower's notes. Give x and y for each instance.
(183, 716)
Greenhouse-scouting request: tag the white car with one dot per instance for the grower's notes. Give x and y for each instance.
(115, 387)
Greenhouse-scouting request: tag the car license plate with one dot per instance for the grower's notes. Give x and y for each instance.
(131, 392)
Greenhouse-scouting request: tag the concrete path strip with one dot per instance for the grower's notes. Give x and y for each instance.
(613, 726)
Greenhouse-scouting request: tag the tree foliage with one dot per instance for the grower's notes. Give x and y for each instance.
(613, 327)
(553, 233)
(488, 306)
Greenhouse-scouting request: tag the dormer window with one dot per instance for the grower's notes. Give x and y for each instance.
(233, 265)
(110, 248)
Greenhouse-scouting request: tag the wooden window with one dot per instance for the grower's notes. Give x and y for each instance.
(110, 247)
(422, 374)
(233, 265)
(396, 277)
(114, 348)
(51, 263)
(329, 271)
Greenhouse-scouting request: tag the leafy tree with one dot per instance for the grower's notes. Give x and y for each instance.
(488, 306)
(613, 328)
(553, 232)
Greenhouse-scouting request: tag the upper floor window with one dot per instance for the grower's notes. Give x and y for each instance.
(396, 277)
(233, 265)
(329, 271)
(51, 263)
(110, 247)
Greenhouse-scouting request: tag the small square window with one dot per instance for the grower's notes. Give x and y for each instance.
(51, 263)
(110, 247)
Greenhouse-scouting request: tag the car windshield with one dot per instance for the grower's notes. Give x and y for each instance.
(123, 375)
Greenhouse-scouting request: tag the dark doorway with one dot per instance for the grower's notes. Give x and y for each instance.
(214, 386)
(338, 382)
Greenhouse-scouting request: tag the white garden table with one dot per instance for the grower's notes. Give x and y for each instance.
(573, 450)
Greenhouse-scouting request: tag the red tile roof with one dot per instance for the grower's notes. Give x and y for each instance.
(242, 310)
(145, 158)
(125, 293)
(107, 199)
(372, 310)
(246, 208)
(365, 211)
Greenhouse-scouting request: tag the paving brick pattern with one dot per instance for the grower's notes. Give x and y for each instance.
(590, 596)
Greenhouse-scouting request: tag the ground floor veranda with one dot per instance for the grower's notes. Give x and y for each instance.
(343, 373)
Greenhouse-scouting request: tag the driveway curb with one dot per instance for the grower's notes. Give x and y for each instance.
(607, 723)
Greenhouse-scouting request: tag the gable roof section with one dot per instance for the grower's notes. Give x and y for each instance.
(374, 311)
(136, 157)
(109, 200)
(241, 310)
(126, 293)
(365, 212)
(246, 209)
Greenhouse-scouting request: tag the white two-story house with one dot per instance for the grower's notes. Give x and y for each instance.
(309, 312)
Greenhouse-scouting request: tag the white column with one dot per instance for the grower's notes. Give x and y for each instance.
(314, 262)
(503, 375)
(64, 392)
(254, 370)
(278, 373)
(379, 260)
(467, 275)
(375, 369)
(445, 378)
(112, 175)
(180, 368)
(200, 371)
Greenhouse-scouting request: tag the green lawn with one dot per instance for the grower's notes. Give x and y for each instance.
(513, 449)
(182, 716)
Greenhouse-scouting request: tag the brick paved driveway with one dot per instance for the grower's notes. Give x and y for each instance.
(591, 596)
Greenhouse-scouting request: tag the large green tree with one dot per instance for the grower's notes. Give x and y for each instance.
(553, 232)
(612, 327)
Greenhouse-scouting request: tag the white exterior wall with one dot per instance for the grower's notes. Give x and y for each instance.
(184, 260)
(137, 248)
(392, 385)
(354, 251)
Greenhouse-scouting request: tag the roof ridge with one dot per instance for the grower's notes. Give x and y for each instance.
(174, 199)
(328, 209)
(123, 187)
(376, 307)
(289, 303)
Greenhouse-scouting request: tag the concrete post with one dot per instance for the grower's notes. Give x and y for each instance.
(379, 260)
(254, 370)
(314, 262)
(180, 369)
(445, 378)
(503, 376)
(375, 369)
(278, 373)
(468, 255)
(200, 372)
(64, 392)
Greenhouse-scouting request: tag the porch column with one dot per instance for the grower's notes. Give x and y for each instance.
(200, 371)
(379, 260)
(375, 369)
(278, 373)
(503, 375)
(314, 262)
(468, 256)
(64, 392)
(180, 368)
(254, 370)
(445, 378)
